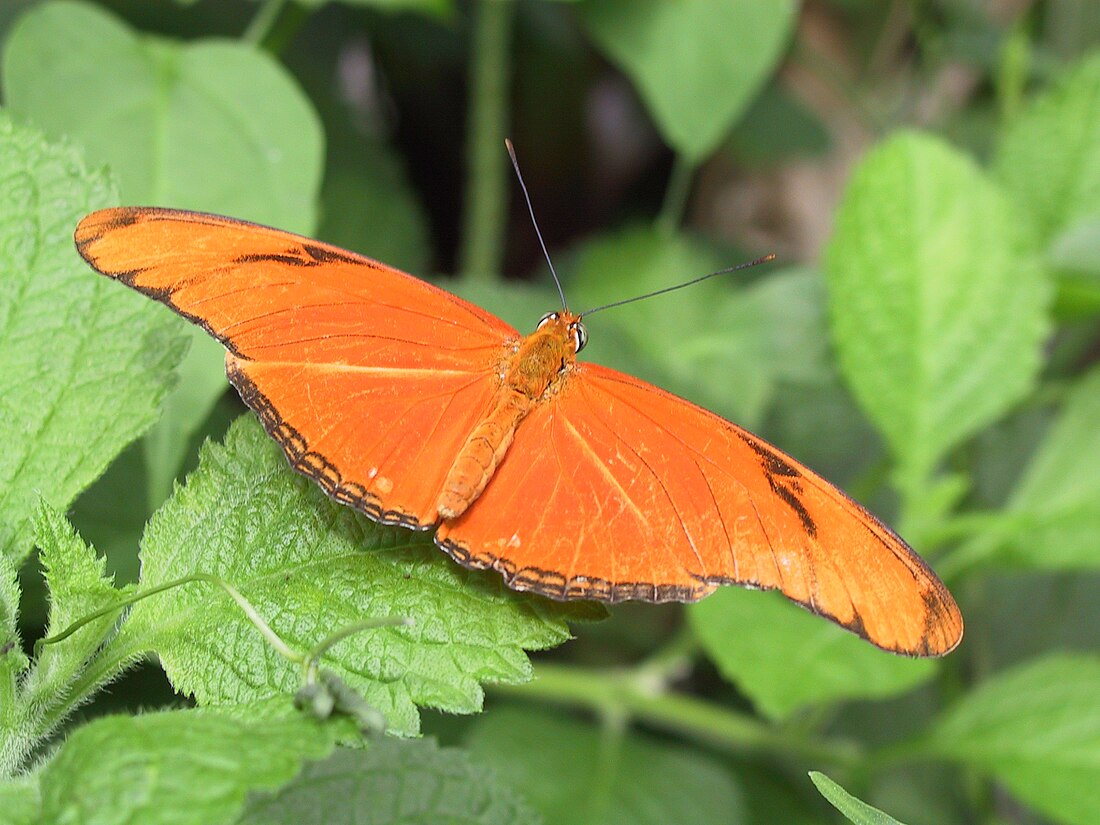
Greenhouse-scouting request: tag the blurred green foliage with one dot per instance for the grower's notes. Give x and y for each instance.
(929, 175)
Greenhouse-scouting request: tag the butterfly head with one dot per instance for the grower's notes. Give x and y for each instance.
(570, 326)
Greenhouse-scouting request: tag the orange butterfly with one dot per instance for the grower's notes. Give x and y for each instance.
(570, 479)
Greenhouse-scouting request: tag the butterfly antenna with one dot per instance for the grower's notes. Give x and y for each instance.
(763, 260)
(531, 210)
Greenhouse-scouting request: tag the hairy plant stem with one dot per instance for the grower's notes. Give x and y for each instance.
(274, 25)
(485, 208)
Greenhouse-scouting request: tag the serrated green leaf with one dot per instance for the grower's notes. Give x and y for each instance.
(1036, 728)
(791, 658)
(1049, 157)
(1054, 512)
(572, 774)
(311, 567)
(696, 63)
(180, 124)
(938, 309)
(176, 767)
(86, 364)
(78, 586)
(394, 782)
(855, 809)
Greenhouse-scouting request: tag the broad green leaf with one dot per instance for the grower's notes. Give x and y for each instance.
(574, 774)
(19, 802)
(394, 782)
(1054, 512)
(86, 365)
(1036, 728)
(174, 767)
(695, 63)
(784, 658)
(209, 125)
(312, 567)
(1049, 157)
(719, 345)
(856, 810)
(938, 309)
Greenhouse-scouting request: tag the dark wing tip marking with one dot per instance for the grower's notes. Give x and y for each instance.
(554, 585)
(784, 479)
(313, 464)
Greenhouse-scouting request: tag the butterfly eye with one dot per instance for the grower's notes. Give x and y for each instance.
(580, 335)
(550, 316)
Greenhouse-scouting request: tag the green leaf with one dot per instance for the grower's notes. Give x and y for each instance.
(394, 782)
(1049, 157)
(434, 8)
(86, 365)
(1054, 512)
(573, 774)
(209, 124)
(791, 658)
(19, 802)
(722, 346)
(202, 382)
(12, 659)
(695, 63)
(938, 311)
(311, 567)
(1036, 728)
(855, 809)
(369, 205)
(177, 767)
(78, 586)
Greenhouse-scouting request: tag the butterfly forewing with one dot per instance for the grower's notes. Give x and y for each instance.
(369, 378)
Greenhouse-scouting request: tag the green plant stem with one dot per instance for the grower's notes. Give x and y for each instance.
(485, 209)
(274, 25)
(676, 195)
(609, 693)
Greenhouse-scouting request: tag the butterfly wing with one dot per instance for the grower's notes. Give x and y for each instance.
(370, 379)
(618, 490)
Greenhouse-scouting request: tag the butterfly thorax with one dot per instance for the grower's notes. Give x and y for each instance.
(535, 370)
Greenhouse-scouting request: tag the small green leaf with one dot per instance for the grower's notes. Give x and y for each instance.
(78, 586)
(855, 809)
(791, 658)
(86, 365)
(311, 567)
(176, 767)
(696, 63)
(938, 310)
(394, 782)
(1054, 512)
(1036, 728)
(573, 774)
(1049, 158)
